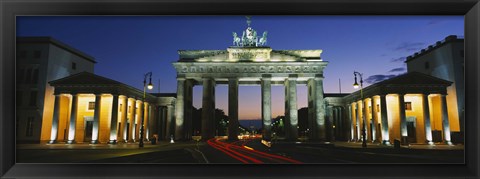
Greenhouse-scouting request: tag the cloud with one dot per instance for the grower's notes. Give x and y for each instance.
(409, 46)
(401, 69)
(399, 59)
(377, 78)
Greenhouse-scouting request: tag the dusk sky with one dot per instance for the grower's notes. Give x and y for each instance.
(126, 47)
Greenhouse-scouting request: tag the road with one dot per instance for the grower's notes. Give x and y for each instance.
(221, 151)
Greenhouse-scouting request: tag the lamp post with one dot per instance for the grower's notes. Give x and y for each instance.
(145, 86)
(355, 85)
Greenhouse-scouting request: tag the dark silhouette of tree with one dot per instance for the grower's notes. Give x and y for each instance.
(221, 122)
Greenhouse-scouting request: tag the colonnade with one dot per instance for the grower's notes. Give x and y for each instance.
(184, 106)
(363, 113)
(118, 121)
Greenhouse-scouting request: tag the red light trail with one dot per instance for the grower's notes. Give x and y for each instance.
(239, 151)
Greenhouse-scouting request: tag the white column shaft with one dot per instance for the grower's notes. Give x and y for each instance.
(426, 119)
(208, 109)
(96, 118)
(114, 120)
(180, 106)
(445, 122)
(266, 108)
(56, 116)
(73, 119)
(291, 109)
(123, 123)
(383, 113)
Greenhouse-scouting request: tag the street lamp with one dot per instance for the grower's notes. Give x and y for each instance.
(145, 86)
(355, 85)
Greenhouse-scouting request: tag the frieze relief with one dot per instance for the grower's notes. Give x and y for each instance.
(250, 69)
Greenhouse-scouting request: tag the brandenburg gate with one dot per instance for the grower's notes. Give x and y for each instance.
(249, 62)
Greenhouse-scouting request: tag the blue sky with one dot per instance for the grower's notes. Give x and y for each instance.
(126, 47)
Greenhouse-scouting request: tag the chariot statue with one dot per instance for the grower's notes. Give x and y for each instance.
(249, 37)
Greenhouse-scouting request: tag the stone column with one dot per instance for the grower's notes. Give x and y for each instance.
(365, 120)
(383, 112)
(316, 109)
(291, 110)
(180, 106)
(138, 120)
(188, 109)
(352, 124)
(96, 119)
(114, 120)
(73, 119)
(233, 109)
(374, 119)
(403, 119)
(151, 121)
(146, 115)
(161, 122)
(169, 124)
(208, 109)
(56, 115)
(334, 122)
(445, 122)
(133, 111)
(123, 127)
(426, 119)
(267, 107)
(357, 116)
(329, 123)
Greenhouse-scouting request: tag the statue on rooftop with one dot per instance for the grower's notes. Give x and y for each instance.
(249, 37)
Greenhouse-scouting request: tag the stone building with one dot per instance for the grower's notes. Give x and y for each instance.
(40, 60)
(95, 109)
(445, 60)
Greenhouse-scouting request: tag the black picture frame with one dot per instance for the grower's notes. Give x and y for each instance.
(10, 8)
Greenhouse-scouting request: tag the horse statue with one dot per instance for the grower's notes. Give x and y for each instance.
(236, 39)
(263, 40)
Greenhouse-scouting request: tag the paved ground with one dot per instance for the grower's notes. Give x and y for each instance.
(193, 152)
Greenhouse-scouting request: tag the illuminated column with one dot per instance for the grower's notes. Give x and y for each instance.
(403, 118)
(267, 107)
(145, 120)
(383, 113)
(357, 117)
(114, 120)
(365, 120)
(188, 109)
(350, 120)
(73, 119)
(138, 119)
(131, 127)
(96, 118)
(180, 106)
(374, 119)
(56, 115)
(123, 123)
(291, 110)
(171, 122)
(426, 119)
(208, 109)
(233, 109)
(150, 124)
(445, 122)
(318, 112)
